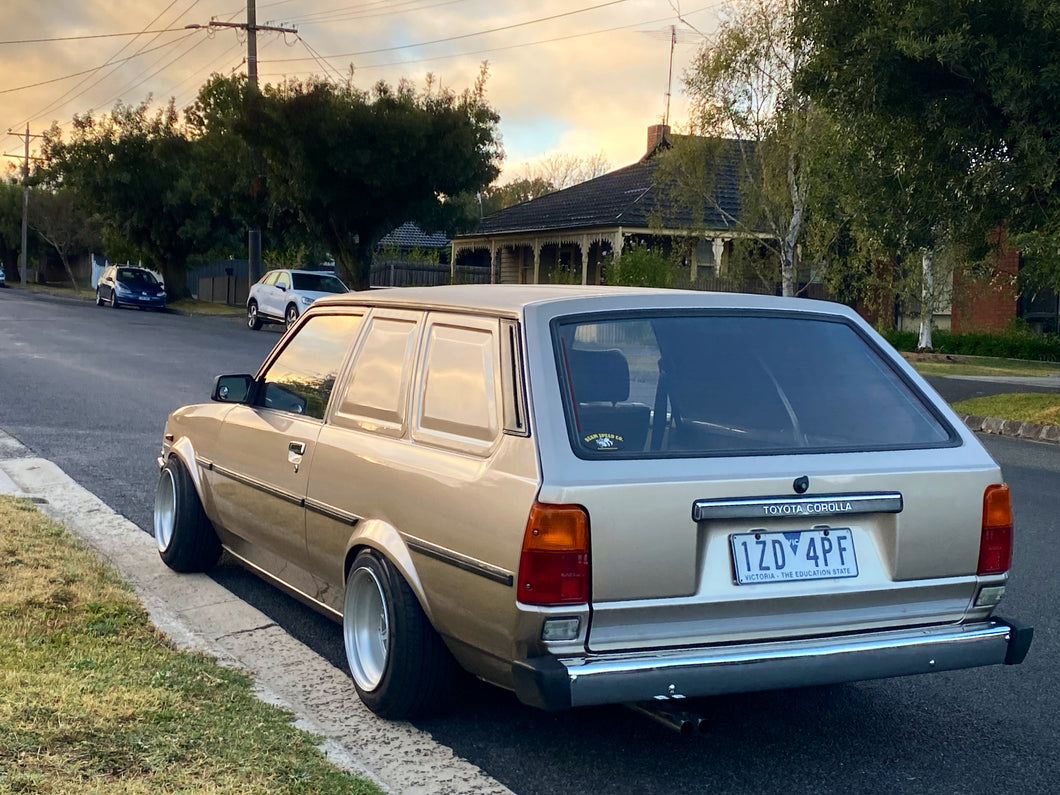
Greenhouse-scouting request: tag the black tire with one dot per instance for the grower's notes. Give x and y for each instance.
(253, 321)
(400, 666)
(114, 299)
(186, 539)
(290, 316)
(99, 298)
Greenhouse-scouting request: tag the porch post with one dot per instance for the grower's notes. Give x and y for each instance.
(719, 249)
(537, 261)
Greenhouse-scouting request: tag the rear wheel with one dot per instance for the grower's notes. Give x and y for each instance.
(253, 321)
(400, 666)
(291, 315)
(186, 539)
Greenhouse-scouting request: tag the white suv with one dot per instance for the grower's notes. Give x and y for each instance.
(282, 296)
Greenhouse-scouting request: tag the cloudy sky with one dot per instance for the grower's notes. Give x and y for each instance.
(571, 77)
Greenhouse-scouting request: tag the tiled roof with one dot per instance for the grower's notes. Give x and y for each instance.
(626, 197)
(409, 235)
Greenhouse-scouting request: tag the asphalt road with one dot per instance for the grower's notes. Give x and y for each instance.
(89, 388)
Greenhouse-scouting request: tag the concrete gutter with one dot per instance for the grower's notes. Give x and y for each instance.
(200, 615)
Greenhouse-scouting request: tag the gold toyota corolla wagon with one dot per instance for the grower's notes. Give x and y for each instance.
(592, 495)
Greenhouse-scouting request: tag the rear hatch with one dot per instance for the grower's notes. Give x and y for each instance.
(761, 475)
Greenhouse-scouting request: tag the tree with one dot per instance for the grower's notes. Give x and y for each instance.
(954, 106)
(10, 226)
(499, 197)
(59, 220)
(742, 87)
(354, 165)
(137, 172)
(565, 170)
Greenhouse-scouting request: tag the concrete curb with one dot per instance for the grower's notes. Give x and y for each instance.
(1022, 430)
(200, 615)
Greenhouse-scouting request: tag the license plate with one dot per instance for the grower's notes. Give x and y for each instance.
(822, 554)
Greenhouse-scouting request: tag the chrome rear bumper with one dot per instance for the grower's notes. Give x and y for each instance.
(559, 683)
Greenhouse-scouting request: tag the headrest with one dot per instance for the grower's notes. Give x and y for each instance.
(599, 376)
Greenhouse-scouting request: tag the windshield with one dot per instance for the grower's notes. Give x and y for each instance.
(318, 283)
(134, 276)
(728, 384)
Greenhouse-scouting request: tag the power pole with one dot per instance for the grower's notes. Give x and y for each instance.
(23, 258)
(252, 27)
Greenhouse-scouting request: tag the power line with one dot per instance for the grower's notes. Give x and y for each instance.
(465, 35)
(345, 15)
(488, 50)
(66, 99)
(133, 33)
(93, 69)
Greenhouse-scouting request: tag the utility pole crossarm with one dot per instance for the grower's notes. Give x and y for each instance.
(244, 26)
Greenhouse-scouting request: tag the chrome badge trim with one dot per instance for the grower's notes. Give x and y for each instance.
(808, 506)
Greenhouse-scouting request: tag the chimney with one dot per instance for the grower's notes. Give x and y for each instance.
(657, 133)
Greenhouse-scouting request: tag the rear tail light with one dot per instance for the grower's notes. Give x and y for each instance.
(554, 565)
(995, 542)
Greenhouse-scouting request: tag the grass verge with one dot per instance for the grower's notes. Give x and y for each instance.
(94, 699)
(948, 364)
(1041, 407)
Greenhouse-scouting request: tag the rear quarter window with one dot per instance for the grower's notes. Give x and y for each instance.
(459, 395)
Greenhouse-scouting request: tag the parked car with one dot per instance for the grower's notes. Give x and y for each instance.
(121, 285)
(281, 296)
(592, 495)
(3, 278)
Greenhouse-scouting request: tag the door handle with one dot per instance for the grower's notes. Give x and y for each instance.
(298, 448)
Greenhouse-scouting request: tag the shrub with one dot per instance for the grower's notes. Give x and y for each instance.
(640, 267)
(1015, 344)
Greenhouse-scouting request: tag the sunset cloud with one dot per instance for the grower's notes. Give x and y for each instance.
(578, 84)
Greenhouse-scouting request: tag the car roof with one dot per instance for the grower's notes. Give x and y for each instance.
(513, 299)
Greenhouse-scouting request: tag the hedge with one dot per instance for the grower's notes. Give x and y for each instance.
(1020, 345)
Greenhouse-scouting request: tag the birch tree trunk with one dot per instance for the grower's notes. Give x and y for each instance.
(927, 302)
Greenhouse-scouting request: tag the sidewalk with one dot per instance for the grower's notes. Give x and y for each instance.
(198, 614)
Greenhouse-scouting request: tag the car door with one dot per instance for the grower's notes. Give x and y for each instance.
(276, 295)
(265, 448)
(106, 283)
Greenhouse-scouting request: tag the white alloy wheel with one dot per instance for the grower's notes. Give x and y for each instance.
(366, 628)
(165, 509)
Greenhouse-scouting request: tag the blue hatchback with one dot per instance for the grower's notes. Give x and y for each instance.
(126, 286)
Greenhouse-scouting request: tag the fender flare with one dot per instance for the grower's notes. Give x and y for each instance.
(386, 540)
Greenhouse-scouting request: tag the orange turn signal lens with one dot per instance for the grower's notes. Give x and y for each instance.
(995, 540)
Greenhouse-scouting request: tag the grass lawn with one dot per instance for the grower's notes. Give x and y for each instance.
(94, 699)
(946, 364)
(1042, 407)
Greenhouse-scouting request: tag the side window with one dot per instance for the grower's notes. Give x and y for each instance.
(377, 394)
(284, 280)
(301, 378)
(270, 278)
(459, 395)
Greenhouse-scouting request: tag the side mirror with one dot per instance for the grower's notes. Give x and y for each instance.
(232, 388)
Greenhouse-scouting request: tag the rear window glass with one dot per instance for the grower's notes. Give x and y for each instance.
(733, 384)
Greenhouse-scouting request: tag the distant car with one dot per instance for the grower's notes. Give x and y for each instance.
(592, 495)
(3, 282)
(281, 296)
(121, 285)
